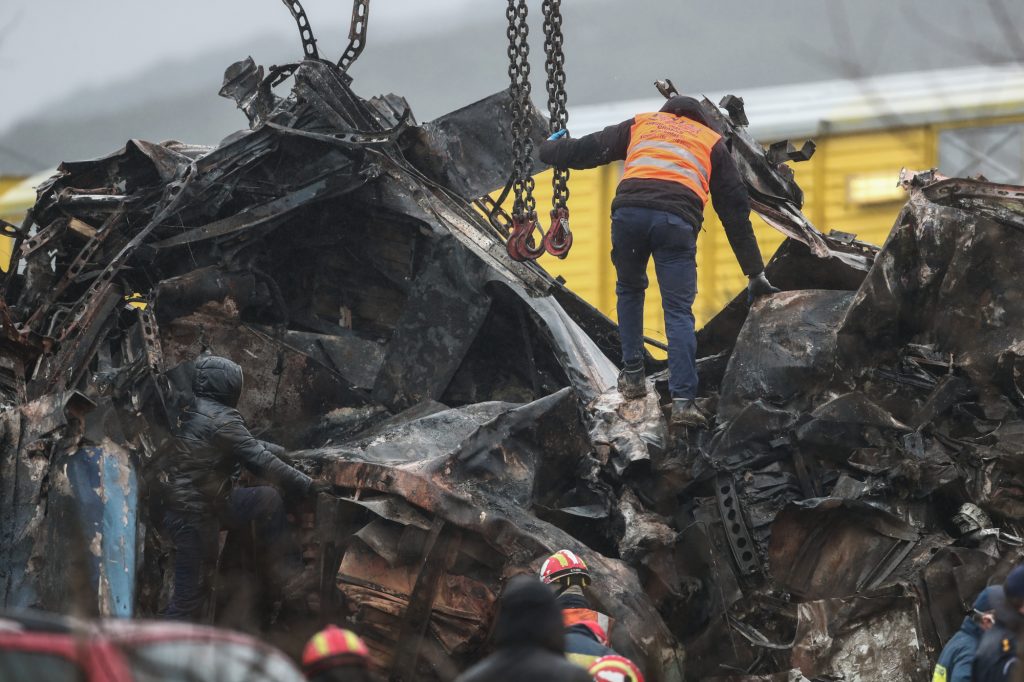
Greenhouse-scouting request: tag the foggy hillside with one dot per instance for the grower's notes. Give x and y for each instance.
(614, 50)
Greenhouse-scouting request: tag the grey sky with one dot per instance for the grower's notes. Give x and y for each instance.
(51, 48)
(79, 77)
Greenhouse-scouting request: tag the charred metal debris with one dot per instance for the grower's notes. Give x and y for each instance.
(860, 484)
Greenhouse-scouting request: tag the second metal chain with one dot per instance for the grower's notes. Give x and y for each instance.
(554, 66)
(558, 239)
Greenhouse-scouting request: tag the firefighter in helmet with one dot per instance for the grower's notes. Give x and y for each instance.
(336, 655)
(586, 637)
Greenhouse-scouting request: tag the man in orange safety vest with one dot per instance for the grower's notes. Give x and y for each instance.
(674, 161)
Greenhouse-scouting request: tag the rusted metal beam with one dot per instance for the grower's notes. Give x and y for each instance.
(439, 548)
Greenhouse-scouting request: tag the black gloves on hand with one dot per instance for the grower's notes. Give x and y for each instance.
(759, 286)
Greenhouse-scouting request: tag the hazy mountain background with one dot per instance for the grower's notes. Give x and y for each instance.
(129, 74)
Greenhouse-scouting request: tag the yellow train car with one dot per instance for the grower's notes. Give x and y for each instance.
(12, 210)
(965, 122)
(9, 181)
(17, 195)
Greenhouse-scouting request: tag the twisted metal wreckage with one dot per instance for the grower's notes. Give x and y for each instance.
(836, 521)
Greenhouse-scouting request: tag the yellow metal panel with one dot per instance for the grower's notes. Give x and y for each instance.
(9, 181)
(11, 210)
(719, 276)
(883, 153)
(585, 268)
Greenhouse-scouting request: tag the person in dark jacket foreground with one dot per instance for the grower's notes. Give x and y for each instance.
(529, 639)
(211, 441)
(957, 657)
(673, 161)
(996, 656)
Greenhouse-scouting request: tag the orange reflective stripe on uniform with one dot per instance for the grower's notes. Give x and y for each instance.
(664, 146)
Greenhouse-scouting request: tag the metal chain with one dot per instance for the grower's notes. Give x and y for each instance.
(519, 87)
(558, 239)
(554, 65)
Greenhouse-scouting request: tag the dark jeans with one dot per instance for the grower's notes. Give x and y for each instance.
(637, 234)
(195, 537)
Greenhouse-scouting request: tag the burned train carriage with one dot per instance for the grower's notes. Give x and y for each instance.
(378, 320)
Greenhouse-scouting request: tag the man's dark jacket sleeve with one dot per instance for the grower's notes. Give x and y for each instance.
(233, 436)
(732, 204)
(589, 151)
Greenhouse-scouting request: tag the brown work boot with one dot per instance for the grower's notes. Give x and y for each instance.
(632, 382)
(686, 413)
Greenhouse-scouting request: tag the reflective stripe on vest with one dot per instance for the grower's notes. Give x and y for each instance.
(582, 660)
(940, 674)
(664, 146)
(571, 617)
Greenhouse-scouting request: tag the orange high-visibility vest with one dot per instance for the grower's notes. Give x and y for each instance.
(571, 617)
(664, 146)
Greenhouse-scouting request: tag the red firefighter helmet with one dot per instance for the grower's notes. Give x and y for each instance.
(615, 669)
(562, 566)
(334, 647)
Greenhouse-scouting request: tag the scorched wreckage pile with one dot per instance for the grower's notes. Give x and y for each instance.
(856, 491)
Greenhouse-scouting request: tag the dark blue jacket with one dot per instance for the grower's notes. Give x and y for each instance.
(997, 653)
(957, 657)
(582, 648)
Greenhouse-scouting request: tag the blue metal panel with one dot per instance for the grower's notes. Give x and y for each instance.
(106, 494)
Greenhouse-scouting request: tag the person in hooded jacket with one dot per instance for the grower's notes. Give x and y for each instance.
(674, 160)
(996, 656)
(529, 639)
(957, 657)
(211, 442)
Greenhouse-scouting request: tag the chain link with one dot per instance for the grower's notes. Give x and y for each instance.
(519, 85)
(554, 66)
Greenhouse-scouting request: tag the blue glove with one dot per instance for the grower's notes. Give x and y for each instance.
(557, 134)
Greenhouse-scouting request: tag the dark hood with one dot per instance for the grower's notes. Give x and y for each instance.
(528, 614)
(218, 379)
(688, 107)
(1006, 615)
